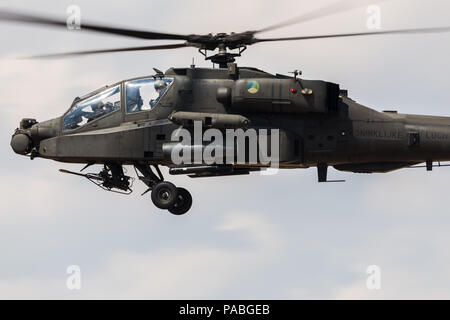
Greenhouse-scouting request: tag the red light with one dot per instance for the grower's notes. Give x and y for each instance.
(294, 90)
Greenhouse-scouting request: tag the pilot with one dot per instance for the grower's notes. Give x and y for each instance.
(160, 88)
(98, 110)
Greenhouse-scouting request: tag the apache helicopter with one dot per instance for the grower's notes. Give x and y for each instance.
(131, 122)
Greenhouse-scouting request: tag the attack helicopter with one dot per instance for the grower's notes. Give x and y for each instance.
(132, 122)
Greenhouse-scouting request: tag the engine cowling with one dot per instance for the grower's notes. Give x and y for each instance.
(281, 96)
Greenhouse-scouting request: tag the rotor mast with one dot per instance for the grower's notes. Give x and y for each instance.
(223, 57)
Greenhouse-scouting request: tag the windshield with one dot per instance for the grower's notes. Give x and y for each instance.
(144, 94)
(92, 108)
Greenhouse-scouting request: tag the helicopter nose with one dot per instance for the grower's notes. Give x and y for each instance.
(30, 133)
(21, 143)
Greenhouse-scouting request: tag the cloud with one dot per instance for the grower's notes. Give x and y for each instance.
(262, 231)
(178, 273)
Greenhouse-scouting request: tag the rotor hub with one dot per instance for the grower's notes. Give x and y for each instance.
(223, 42)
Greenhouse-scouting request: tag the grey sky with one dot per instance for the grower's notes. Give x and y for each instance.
(281, 236)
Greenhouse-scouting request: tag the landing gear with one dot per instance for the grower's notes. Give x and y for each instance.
(164, 195)
(183, 202)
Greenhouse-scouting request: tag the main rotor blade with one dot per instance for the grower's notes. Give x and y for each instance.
(47, 21)
(404, 31)
(81, 53)
(334, 8)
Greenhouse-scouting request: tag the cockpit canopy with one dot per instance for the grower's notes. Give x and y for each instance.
(141, 95)
(92, 108)
(144, 94)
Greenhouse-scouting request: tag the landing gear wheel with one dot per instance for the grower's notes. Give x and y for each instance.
(183, 203)
(164, 195)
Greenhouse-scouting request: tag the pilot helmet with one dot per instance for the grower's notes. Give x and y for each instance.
(160, 84)
(98, 106)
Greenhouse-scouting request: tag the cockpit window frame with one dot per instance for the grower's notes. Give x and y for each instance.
(88, 96)
(157, 105)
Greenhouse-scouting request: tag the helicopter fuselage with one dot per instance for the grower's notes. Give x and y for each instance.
(318, 124)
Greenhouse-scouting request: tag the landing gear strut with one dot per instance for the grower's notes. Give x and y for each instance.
(165, 195)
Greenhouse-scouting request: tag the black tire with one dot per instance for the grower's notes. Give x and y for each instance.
(164, 195)
(183, 203)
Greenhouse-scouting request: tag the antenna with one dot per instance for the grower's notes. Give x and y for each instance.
(158, 74)
(296, 73)
(193, 63)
